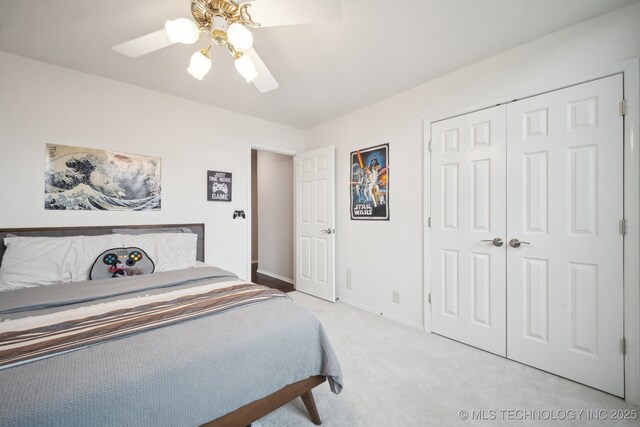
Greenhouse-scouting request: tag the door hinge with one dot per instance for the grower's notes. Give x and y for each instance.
(623, 346)
(623, 107)
(429, 297)
(429, 222)
(429, 145)
(623, 226)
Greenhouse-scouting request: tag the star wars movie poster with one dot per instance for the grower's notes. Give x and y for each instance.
(370, 183)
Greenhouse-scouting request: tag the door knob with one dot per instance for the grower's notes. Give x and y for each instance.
(496, 242)
(515, 243)
(329, 231)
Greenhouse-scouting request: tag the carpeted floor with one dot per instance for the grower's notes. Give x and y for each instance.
(398, 376)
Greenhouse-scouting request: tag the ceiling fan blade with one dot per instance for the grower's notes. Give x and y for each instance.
(273, 13)
(265, 82)
(143, 45)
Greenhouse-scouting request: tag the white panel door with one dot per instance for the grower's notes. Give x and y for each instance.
(565, 199)
(467, 214)
(315, 223)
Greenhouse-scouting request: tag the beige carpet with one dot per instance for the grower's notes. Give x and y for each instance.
(398, 376)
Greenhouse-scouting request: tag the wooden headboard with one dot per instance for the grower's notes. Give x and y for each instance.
(95, 231)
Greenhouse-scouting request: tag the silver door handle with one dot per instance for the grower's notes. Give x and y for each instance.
(515, 243)
(496, 242)
(329, 231)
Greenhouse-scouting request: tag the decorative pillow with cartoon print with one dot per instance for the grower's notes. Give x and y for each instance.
(121, 262)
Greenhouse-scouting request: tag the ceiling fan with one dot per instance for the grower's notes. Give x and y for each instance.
(224, 23)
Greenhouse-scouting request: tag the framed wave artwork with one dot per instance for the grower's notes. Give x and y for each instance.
(79, 178)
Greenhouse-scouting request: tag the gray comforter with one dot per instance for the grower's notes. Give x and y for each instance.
(184, 374)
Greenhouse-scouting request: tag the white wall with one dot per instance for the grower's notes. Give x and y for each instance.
(40, 104)
(275, 214)
(254, 205)
(386, 256)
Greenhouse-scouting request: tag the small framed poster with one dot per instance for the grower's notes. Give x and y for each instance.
(370, 183)
(218, 186)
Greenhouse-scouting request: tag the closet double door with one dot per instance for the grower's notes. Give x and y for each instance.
(526, 251)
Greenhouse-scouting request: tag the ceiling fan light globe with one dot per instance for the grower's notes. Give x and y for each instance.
(246, 68)
(240, 37)
(200, 64)
(182, 30)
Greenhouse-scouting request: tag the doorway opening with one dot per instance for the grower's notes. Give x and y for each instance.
(272, 220)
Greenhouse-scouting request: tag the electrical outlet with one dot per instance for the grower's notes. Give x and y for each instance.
(348, 282)
(396, 297)
(348, 273)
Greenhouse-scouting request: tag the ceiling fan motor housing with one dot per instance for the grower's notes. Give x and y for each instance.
(204, 10)
(216, 16)
(219, 28)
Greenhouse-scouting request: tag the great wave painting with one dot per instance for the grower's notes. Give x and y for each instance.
(88, 179)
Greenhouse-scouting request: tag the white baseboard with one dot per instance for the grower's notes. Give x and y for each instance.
(276, 276)
(398, 319)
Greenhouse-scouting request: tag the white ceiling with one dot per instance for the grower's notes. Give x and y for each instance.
(379, 48)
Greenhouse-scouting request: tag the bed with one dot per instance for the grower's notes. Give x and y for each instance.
(185, 346)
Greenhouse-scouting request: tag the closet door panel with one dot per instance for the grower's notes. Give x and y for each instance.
(565, 199)
(468, 206)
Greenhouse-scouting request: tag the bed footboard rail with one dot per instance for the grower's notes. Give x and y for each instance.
(255, 410)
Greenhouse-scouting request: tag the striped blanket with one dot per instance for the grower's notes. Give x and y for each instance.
(30, 338)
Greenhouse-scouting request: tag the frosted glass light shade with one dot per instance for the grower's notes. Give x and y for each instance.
(182, 30)
(245, 67)
(200, 64)
(239, 37)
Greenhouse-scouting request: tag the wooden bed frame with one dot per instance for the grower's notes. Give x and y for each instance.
(255, 410)
(241, 417)
(100, 230)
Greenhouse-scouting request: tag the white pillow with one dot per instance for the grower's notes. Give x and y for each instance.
(169, 251)
(39, 261)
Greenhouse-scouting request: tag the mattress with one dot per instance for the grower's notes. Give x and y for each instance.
(186, 372)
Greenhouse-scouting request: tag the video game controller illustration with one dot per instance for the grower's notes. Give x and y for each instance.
(120, 262)
(219, 186)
